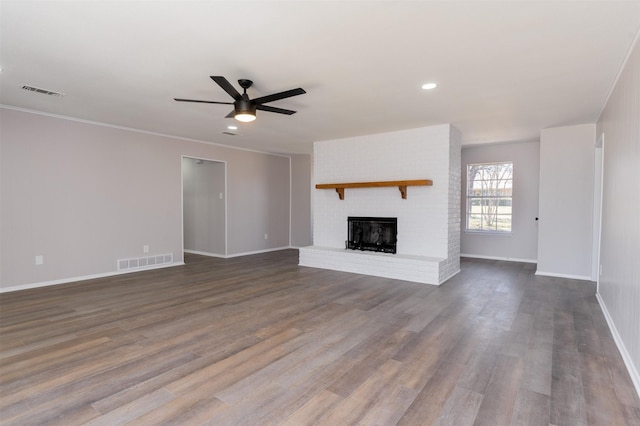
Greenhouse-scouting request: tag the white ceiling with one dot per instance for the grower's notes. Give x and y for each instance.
(505, 69)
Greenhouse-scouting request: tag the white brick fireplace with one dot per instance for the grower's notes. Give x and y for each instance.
(428, 247)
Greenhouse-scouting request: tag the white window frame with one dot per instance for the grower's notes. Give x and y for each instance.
(492, 190)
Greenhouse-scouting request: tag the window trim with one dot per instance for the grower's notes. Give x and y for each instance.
(469, 197)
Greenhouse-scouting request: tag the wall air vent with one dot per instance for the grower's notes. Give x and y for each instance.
(146, 262)
(229, 133)
(42, 91)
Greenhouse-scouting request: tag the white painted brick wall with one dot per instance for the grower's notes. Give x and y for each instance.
(428, 220)
(408, 268)
(452, 264)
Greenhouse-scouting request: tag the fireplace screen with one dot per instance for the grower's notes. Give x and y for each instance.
(372, 234)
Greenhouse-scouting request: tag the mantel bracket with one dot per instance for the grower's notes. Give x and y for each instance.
(403, 191)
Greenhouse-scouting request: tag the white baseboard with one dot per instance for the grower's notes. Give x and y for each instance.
(248, 253)
(229, 256)
(85, 277)
(628, 362)
(205, 253)
(508, 259)
(572, 277)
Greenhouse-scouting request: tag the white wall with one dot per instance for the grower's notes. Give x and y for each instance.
(203, 198)
(566, 201)
(83, 195)
(522, 243)
(410, 154)
(619, 284)
(428, 219)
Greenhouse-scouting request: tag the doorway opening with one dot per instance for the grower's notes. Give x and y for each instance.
(204, 206)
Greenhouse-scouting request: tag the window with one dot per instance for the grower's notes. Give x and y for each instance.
(489, 192)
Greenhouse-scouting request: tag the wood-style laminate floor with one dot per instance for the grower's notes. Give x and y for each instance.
(258, 340)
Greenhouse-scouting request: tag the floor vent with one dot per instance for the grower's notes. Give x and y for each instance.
(43, 91)
(144, 262)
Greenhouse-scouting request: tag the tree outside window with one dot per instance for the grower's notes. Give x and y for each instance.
(489, 196)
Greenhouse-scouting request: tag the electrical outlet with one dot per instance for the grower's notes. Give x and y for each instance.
(266, 236)
(39, 260)
(220, 195)
(600, 269)
(145, 249)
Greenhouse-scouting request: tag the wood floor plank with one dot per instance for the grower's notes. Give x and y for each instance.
(601, 403)
(367, 365)
(391, 405)
(259, 340)
(182, 411)
(542, 329)
(246, 361)
(354, 407)
(315, 410)
(537, 374)
(568, 405)
(134, 409)
(152, 384)
(430, 402)
(461, 408)
(532, 409)
(96, 387)
(500, 394)
(478, 371)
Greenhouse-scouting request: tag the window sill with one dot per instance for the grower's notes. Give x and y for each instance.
(492, 233)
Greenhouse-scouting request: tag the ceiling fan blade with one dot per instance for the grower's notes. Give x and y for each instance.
(227, 87)
(278, 96)
(202, 102)
(231, 114)
(274, 109)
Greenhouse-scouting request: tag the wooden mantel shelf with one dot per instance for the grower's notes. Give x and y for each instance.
(401, 184)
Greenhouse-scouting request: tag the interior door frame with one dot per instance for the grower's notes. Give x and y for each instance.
(225, 198)
(597, 209)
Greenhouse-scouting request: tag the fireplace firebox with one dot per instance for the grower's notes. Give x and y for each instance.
(372, 234)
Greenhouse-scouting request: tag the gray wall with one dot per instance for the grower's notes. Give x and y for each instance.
(619, 283)
(258, 202)
(83, 195)
(203, 196)
(565, 235)
(522, 243)
(301, 234)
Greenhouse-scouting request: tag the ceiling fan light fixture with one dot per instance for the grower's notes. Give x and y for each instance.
(245, 111)
(245, 117)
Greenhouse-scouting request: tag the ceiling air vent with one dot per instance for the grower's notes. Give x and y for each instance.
(42, 91)
(229, 133)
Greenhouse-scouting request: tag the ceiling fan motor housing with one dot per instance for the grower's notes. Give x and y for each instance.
(245, 106)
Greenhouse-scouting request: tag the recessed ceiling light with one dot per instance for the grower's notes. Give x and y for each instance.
(429, 86)
(232, 127)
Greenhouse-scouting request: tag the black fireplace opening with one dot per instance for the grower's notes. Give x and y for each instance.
(372, 234)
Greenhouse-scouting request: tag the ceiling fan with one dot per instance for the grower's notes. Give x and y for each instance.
(244, 109)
